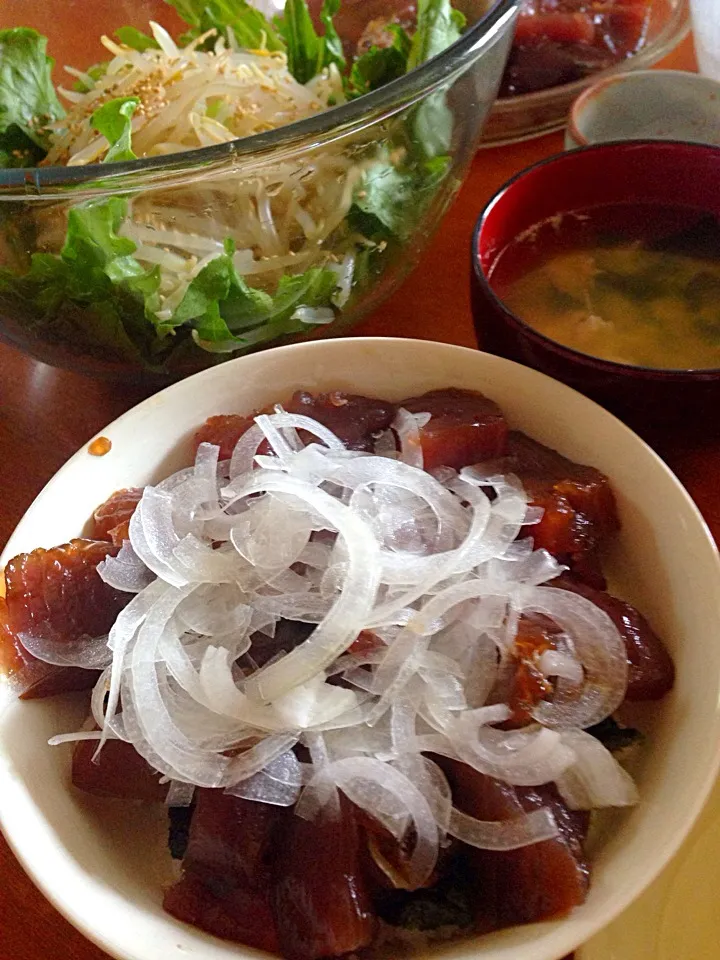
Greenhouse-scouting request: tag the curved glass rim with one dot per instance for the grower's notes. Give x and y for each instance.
(36, 180)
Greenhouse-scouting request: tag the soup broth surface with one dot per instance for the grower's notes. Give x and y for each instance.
(632, 283)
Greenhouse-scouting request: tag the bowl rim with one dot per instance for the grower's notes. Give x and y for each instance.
(629, 79)
(585, 360)
(36, 182)
(62, 898)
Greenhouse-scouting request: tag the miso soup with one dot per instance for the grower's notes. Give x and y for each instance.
(633, 283)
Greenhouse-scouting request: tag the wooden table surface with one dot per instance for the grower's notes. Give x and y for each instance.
(47, 414)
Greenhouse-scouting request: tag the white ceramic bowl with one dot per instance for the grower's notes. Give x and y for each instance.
(647, 105)
(103, 863)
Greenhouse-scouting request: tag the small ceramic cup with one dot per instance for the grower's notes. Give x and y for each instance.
(647, 105)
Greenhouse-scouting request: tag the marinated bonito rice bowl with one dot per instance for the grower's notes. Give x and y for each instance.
(629, 849)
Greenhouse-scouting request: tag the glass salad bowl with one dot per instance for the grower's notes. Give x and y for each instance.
(151, 269)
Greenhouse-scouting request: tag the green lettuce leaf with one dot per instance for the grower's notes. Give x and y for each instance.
(385, 198)
(27, 97)
(391, 198)
(308, 52)
(333, 44)
(314, 288)
(249, 26)
(108, 327)
(136, 39)
(271, 320)
(94, 292)
(213, 284)
(379, 65)
(113, 120)
(433, 126)
(438, 26)
(92, 241)
(107, 322)
(96, 72)
(227, 314)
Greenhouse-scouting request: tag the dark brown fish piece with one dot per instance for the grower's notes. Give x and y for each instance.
(652, 671)
(226, 883)
(464, 427)
(353, 419)
(320, 898)
(579, 509)
(528, 685)
(111, 520)
(539, 882)
(57, 595)
(118, 772)
(33, 679)
(223, 431)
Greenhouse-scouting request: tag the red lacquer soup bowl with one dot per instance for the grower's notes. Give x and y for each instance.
(639, 172)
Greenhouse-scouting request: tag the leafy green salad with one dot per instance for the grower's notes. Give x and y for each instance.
(227, 259)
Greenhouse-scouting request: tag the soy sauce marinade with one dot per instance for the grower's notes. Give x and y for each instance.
(634, 283)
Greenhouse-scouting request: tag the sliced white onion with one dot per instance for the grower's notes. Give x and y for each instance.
(599, 648)
(220, 554)
(526, 757)
(393, 800)
(252, 761)
(205, 472)
(153, 536)
(408, 432)
(282, 445)
(243, 456)
(282, 777)
(91, 653)
(555, 664)
(265, 789)
(512, 834)
(350, 612)
(78, 735)
(385, 446)
(120, 639)
(595, 779)
(297, 421)
(180, 794)
(126, 571)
